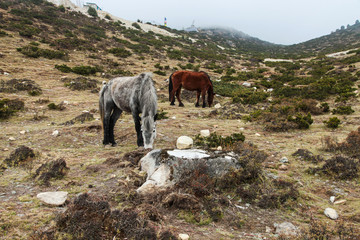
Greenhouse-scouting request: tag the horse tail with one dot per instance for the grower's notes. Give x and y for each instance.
(170, 86)
(102, 101)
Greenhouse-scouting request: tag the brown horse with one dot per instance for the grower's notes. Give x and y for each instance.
(192, 81)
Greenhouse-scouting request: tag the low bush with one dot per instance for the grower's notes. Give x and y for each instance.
(92, 12)
(35, 52)
(333, 122)
(81, 70)
(339, 167)
(80, 83)
(53, 106)
(214, 140)
(9, 107)
(120, 52)
(15, 85)
(159, 72)
(343, 110)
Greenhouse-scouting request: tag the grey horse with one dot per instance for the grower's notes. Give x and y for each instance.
(134, 95)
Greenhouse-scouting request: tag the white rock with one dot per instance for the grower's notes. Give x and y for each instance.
(184, 236)
(332, 199)
(268, 229)
(53, 198)
(217, 106)
(241, 129)
(174, 117)
(205, 133)
(184, 142)
(12, 139)
(55, 133)
(286, 228)
(219, 148)
(284, 160)
(257, 134)
(270, 90)
(246, 84)
(22, 132)
(331, 213)
(340, 202)
(66, 102)
(6, 73)
(188, 153)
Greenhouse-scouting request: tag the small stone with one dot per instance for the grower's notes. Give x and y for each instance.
(174, 117)
(268, 229)
(283, 167)
(184, 236)
(286, 228)
(22, 132)
(53, 198)
(340, 202)
(332, 199)
(13, 192)
(241, 129)
(217, 106)
(246, 84)
(12, 139)
(6, 149)
(205, 133)
(284, 160)
(331, 213)
(184, 142)
(219, 148)
(257, 134)
(55, 133)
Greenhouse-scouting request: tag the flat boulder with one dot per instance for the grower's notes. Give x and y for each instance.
(165, 168)
(53, 198)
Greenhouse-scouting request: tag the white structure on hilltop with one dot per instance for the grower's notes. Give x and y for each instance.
(192, 28)
(93, 5)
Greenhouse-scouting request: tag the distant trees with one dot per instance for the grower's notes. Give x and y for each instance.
(357, 22)
(342, 28)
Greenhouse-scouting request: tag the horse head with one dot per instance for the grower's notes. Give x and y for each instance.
(148, 130)
(211, 95)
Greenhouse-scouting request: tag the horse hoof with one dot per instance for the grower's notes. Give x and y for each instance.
(181, 105)
(114, 144)
(172, 104)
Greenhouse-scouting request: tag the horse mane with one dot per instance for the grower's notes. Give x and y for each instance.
(147, 94)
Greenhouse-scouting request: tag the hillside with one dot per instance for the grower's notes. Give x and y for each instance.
(291, 128)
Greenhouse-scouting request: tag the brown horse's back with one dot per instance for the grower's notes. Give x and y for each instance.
(191, 81)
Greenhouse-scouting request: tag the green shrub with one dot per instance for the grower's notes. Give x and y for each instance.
(161, 73)
(325, 107)
(215, 140)
(53, 106)
(302, 121)
(136, 25)
(63, 68)
(343, 110)
(35, 52)
(92, 12)
(120, 52)
(107, 16)
(332, 122)
(82, 70)
(85, 70)
(9, 107)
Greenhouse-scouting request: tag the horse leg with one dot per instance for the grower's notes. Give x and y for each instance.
(114, 117)
(178, 97)
(203, 92)
(197, 98)
(108, 108)
(172, 97)
(137, 121)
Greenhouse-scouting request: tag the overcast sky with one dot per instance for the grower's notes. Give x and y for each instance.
(276, 21)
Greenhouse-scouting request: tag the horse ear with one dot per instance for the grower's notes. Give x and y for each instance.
(155, 117)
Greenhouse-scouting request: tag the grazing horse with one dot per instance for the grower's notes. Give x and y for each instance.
(192, 81)
(134, 95)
